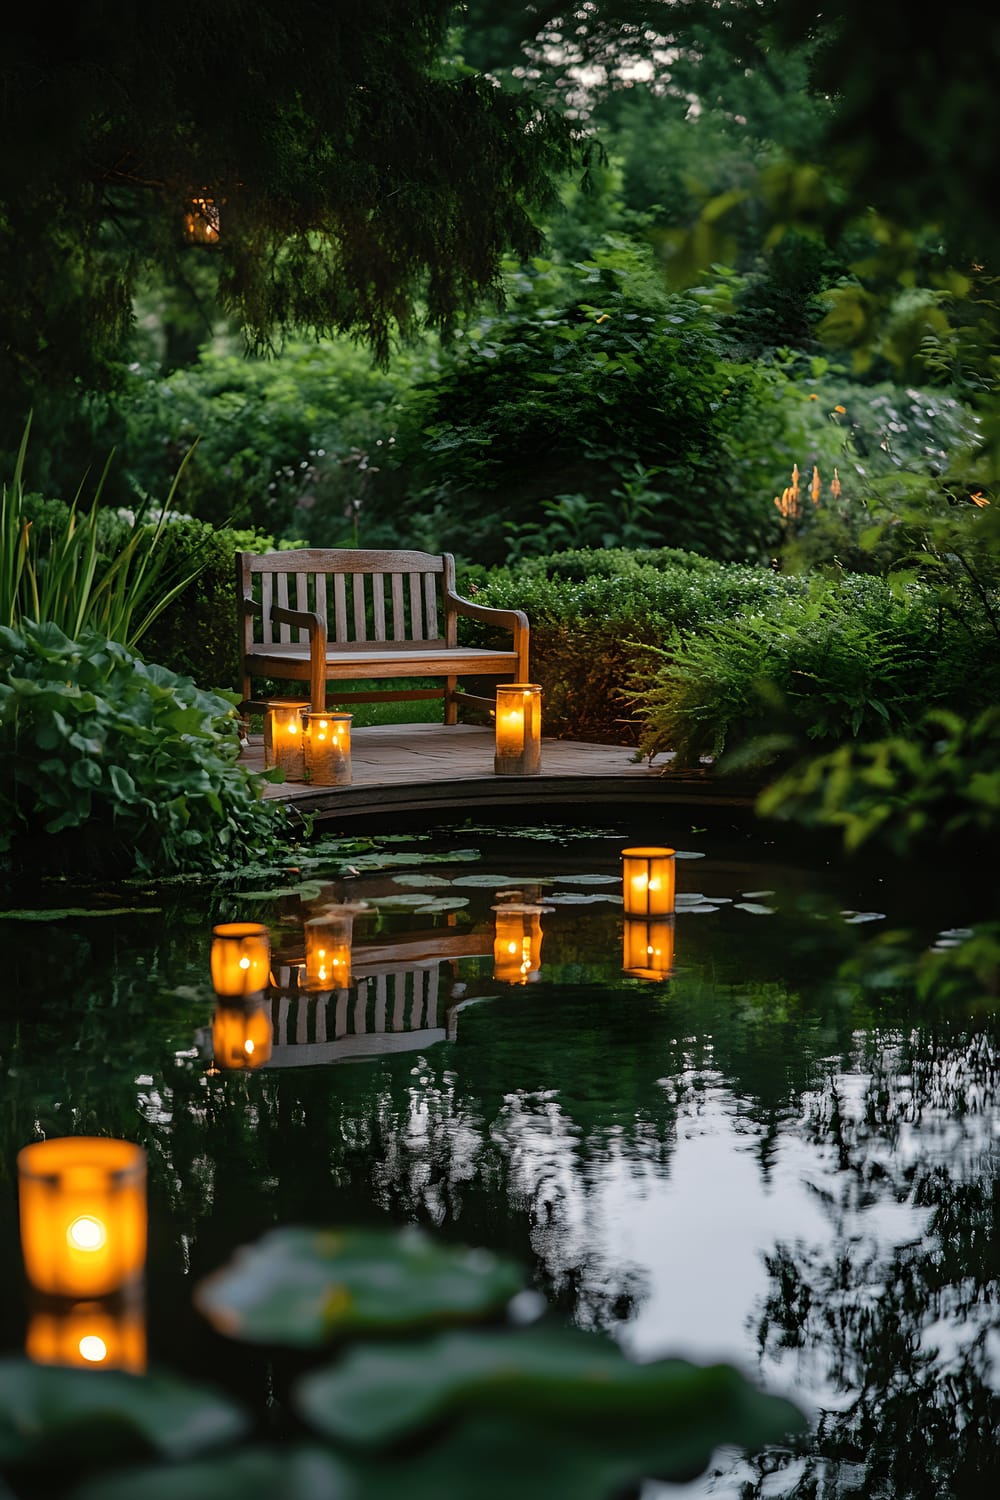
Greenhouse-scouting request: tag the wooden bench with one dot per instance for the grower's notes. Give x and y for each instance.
(345, 615)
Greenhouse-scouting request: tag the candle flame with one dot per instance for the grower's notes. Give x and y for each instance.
(86, 1233)
(93, 1349)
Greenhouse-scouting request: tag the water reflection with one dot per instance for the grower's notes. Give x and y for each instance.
(754, 1161)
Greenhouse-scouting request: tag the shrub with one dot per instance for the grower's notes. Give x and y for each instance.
(941, 784)
(112, 766)
(594, 616)
(855, 659)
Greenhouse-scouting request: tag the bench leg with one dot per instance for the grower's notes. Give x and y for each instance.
(450, 701)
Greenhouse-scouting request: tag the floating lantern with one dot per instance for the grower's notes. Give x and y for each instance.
(284, 737)
(328, 949)
(648, 948)
(517, 943)
(242, 1035)
(518, 729)
(241, 959)
(328, 749)
(108, 1335)
(83, 1215)
(648, 882)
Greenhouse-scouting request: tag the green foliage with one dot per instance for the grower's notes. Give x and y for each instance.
(52, 1417)
(59, 573)
(289, 444)
(939, 785)
(592, 413)
(546, 1411)
(855, 658)
(306, 1288)
(594, 614)
(110, 765)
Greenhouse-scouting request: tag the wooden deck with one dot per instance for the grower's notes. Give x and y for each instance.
(434, 767)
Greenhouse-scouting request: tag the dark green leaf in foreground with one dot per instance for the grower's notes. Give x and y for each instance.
(304, 1287)
(497, 1458)
(559, 1380)
(288, 1474)
(52, 1415)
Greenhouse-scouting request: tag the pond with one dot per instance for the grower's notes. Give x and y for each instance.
(762, 1150)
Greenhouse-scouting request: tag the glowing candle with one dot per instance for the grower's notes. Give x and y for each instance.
(328, 749)
(518, 729)
(241, 959)
(242, 1035)
(648, 948)
(109, 1335)
(328, 949)
(284, 740)
(648, 882)
(83, 1214)
(517, 943)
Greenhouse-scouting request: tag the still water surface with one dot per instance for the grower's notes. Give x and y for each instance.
(757, 1158)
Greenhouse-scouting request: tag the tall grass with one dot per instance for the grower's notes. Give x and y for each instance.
(69, 582)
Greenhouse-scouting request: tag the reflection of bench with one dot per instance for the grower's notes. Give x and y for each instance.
(397, 1002)
(346, 615)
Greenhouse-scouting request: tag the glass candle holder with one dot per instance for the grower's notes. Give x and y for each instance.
(284, 737)
(242, 1035)
(517, 943)
(109, 1335)
(518, 729)
(83, 1215)
(648, 880)
(648, 948)
(328, 950)
(241, 959)
(328, 749)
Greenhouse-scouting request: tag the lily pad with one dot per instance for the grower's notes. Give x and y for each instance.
(494, 882)
(588, 880)
(754, 908)
(306, 1473)
(61, 914)
(305, 1287)
(421, 880)
(404, 901)
(383, 860)
(577, 898)
(53, 1415)
(576, 1387)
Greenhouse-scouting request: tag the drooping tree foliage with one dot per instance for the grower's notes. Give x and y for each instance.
(344, 177)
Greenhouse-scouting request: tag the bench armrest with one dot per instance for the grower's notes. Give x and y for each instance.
(304, 619)
(514, 620)
(250, 606)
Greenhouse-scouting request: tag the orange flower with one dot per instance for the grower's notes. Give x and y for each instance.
(815, 486)
(841, 409)
(979, 499)
(813, 396)
(835, 485)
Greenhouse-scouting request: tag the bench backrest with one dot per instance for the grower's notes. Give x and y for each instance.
(365, 597)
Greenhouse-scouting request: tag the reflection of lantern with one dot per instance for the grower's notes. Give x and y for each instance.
(517, 943)
(518, 729)
(241, 959)
(648, 882)
(242, 1035)
(328, 949)
(328, 749)
(284, 740)
(108, 1335)
(201, 222)
(648, 948)
(83, 1214)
